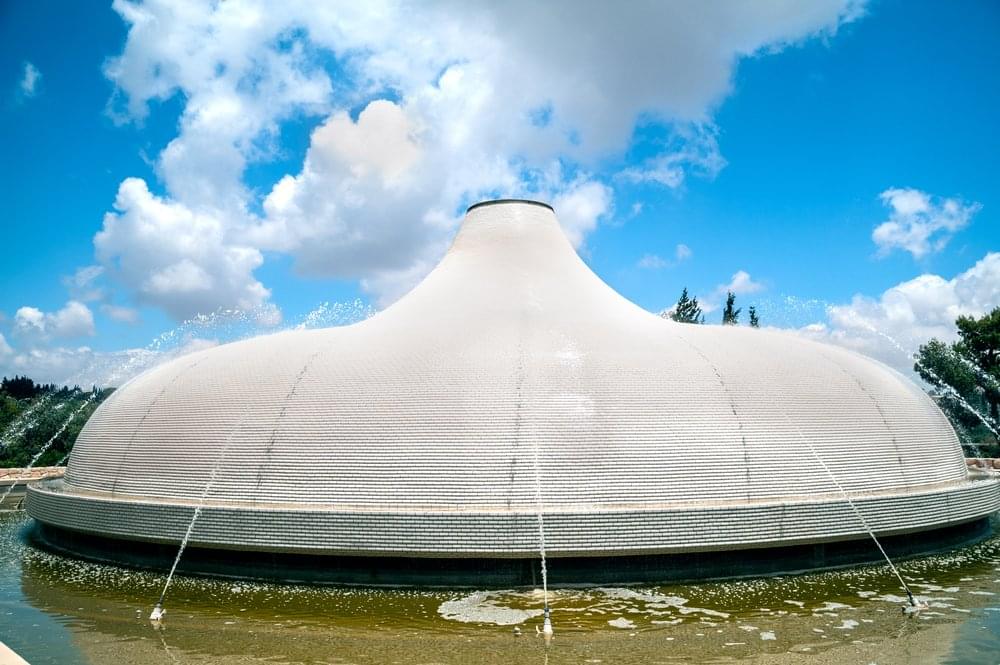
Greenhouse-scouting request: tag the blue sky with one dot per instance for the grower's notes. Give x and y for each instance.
(272, 158)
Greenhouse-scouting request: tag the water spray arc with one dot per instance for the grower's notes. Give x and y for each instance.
(539, 509)
(942, 384)
(48, 444)
(24, 422)
(158, 609)
(861, 518)
(961, 400)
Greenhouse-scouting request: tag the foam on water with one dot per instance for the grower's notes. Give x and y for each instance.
(621, 622)
(483, 607)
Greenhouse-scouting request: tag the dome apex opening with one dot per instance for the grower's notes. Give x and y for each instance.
(491, 202)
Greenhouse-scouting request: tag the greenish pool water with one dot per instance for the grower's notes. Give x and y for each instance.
(58, 610)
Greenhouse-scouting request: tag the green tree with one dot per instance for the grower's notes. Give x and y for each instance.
(980, 345)
(967, 371)
(754, 321)
(20, 387)
(687, 309)
(731, 313)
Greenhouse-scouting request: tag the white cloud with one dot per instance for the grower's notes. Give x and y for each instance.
(29, 321)
(740, 284)
(82, 284)
(918, 224)
(120, 314)
(30, 79)
(691, 149)
(81, 366)
(5, 348)
(528, 107)
(656, 262)
(350, 212)
(892, 326)
(56, 365)
(175, 258)
(652, 262)
(85, 367)
(74, 320)
(579, 206)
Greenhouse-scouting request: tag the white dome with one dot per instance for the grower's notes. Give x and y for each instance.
(415, 432)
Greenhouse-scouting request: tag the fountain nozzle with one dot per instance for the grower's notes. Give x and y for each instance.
(915, 606)
(546, 630)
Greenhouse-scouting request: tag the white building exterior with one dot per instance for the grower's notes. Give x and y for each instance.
(415, 432)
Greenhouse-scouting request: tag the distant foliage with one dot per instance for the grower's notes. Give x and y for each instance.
(31, 413)
(21, 387)
(731, 313)
(980, 343)
(687, 310)
(968, 369)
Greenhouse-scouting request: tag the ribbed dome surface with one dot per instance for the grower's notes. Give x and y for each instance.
(510, 348)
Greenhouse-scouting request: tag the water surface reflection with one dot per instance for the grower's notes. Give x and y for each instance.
(57, 610)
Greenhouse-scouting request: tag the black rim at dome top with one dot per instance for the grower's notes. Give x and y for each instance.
(499, 201)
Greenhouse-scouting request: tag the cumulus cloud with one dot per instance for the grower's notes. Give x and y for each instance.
(29, 320)
(175, 258)
(348, 212)
(892, 326)
(740, 284)
(580, 205)
(30, 80)
(918, 223)
(444, 120)
(74, 320)
(84, 366)
(682, 252)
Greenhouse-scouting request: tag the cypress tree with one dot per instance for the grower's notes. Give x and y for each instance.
(687, 309)
(754, 321)
(731, 313)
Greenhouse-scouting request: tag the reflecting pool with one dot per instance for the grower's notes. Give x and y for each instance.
(58, 610)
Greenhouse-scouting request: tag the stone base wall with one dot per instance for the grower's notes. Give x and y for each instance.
(494, 572)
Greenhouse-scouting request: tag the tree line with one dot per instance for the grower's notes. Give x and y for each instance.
(687, 310)
(32, 413)
(965, 380)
